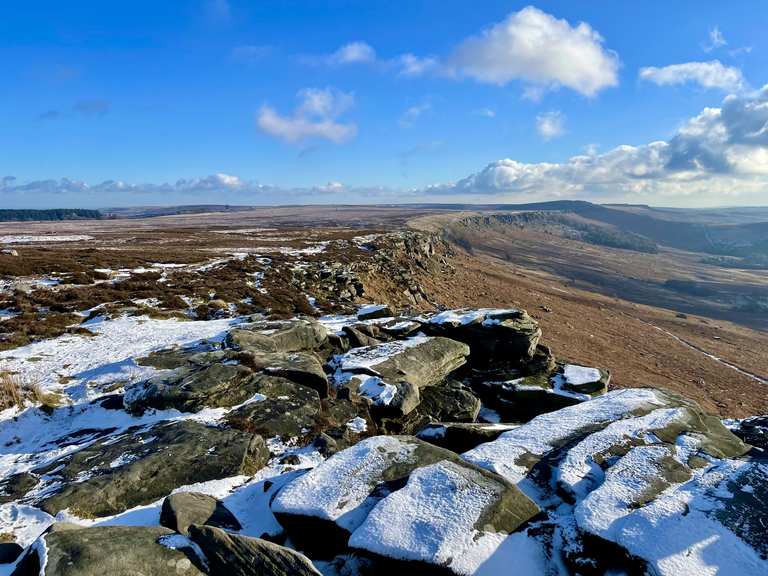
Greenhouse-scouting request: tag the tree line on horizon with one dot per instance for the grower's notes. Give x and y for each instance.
(29, 215)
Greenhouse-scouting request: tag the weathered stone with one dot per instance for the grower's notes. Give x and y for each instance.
(449, 402)
(323, 507)
(143, 465)
(300, 367)
(372, 312)
(418, 360)
(461, 436)
(458, 499)
(358, 338)
(288, 410)
(182, 509)
(217, 385)
(113, 550)
(335, 419)
(292, 336)
(233, 555)
(494, 336)
(15, 486)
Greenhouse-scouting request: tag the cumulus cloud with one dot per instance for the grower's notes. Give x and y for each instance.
(551, 124)
(712, 74)
(353, 53)
(716, 157)
(539, 50)
(315, 117)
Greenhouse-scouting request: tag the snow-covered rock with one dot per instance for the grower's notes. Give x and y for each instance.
(449, 514)
(322, 508)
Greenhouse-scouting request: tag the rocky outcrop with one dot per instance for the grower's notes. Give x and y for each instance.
(360, 496)
(117, 550)
(182, 509)
(379, 464)
(293, 336)
(285, 409)
(494, 336)
(300, 367)
(460, 436)
(422, 361)
(143, 465)
(234, 555)
(190, 390)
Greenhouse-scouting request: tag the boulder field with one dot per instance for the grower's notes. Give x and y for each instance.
(450, 443)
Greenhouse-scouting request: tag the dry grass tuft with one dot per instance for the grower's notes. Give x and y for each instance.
(11, 391)
(48, 400)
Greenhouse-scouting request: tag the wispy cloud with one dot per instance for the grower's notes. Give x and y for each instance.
(315, 117)
(712, 74)
(94, 108)
(412, 65)
(412, 113)
(485, 112)
(716, 40)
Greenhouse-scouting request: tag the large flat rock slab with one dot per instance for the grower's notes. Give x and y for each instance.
(113, 550)
(236, 555)
(420, 360)
(141, 466)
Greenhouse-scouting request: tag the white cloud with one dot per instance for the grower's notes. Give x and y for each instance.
(353, 53)
(540, 50)
(551, 124)
(717, 157)
(315, 117)
(716, 40)
(412, 113)
(411, 65)
(712, 74)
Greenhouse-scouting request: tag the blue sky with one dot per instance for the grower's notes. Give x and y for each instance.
(379, 101)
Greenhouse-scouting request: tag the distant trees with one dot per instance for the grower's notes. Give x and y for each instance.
(48, 215)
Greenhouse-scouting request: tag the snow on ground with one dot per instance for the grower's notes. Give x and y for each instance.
(546, 432)
(339, 488)
(433, 519)
(37, 239)
(109, 356)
